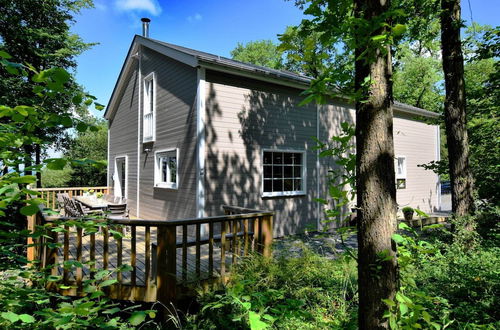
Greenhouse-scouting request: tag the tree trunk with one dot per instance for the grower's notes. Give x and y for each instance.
(28, 160)
(38, 152)
(454, 109)
(376, 186)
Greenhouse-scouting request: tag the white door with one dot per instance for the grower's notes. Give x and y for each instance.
(120, 177)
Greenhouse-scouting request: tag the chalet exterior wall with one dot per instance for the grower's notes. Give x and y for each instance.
(243, 117)
(175, 128)
(123, 137)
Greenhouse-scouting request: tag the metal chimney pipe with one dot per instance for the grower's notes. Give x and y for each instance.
(145, 27)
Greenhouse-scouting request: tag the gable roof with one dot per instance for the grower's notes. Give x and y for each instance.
(196, 58)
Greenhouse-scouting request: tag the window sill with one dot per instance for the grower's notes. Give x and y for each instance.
(148, 140)
(165, 186)
(284, 194)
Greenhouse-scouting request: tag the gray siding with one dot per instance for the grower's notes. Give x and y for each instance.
(176, 86)
(244, 117)
(123, 137)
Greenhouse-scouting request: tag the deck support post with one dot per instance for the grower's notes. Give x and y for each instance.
(166, 266)
(267, 235)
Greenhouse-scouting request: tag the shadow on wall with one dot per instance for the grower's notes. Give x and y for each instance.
(237, 131)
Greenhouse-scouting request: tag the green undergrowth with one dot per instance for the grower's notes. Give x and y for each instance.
(306, 292)
(449, 279)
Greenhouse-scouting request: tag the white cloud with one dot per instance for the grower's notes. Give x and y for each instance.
(150, 6)
(100, 6)
(195, 17)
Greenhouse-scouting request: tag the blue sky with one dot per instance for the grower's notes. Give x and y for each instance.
(213, 26)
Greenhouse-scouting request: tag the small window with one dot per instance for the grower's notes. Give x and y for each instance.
(283, 173)
(400, 168)
(166, 172)
(149, 105)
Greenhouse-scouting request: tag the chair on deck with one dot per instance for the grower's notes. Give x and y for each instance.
(117, 211)
(60, 200)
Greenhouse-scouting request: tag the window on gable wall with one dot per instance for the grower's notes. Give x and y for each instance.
(166, 171)
(283, 173)
(400, 167)
(149, 105)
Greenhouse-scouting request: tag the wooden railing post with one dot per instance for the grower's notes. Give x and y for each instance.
(30, 251)
(267, 235)
(166, 265)
(51, 255)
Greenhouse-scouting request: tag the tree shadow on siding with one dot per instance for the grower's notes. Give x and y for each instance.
(238, 129)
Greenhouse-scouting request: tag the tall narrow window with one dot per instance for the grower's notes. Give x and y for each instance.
(283, 173)
(166, 172)
(148, 133)
(400, 167)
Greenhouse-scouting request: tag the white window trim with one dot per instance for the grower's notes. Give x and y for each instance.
(285, 193)
(403, 175)
(152, 77)
(157, 170)
(126, 172)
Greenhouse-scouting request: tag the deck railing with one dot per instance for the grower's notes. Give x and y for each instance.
(166, 257)
(50, 194)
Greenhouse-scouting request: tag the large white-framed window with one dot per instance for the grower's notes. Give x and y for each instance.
(400, 168)
(149, 108)
(283, 173)
(166, 168)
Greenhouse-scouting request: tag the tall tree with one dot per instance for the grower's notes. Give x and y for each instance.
(376, 186)
(38, 32)
(455, 109)
(365, 26)
(90, 144)
(260, 52)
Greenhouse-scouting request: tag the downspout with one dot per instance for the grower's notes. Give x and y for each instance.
(200, 146)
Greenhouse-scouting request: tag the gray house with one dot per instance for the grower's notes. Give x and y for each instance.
(191, 131)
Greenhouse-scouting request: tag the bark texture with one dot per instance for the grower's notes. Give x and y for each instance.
(454, 109)
(376, 187)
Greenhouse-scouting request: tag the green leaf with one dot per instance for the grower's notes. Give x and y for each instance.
(108, 283)
(66, 121)
(25, 318)
(5, 55)
(81, 127)
(398, 30)
(29, 209)
(10, 316)
(398, 238)
(389, 302)
(403, 308)
(112, 310)
(24, 179)
(77, 99)
(255, 321)
(56, 163)
(137, 318)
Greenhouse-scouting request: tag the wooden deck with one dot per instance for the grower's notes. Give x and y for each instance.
(164, 258)
(186, 275)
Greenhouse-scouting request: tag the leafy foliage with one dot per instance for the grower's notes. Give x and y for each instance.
(89, 144)
(262, 52)
(307, 292)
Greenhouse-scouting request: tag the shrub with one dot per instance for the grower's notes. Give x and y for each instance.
(307, 292)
